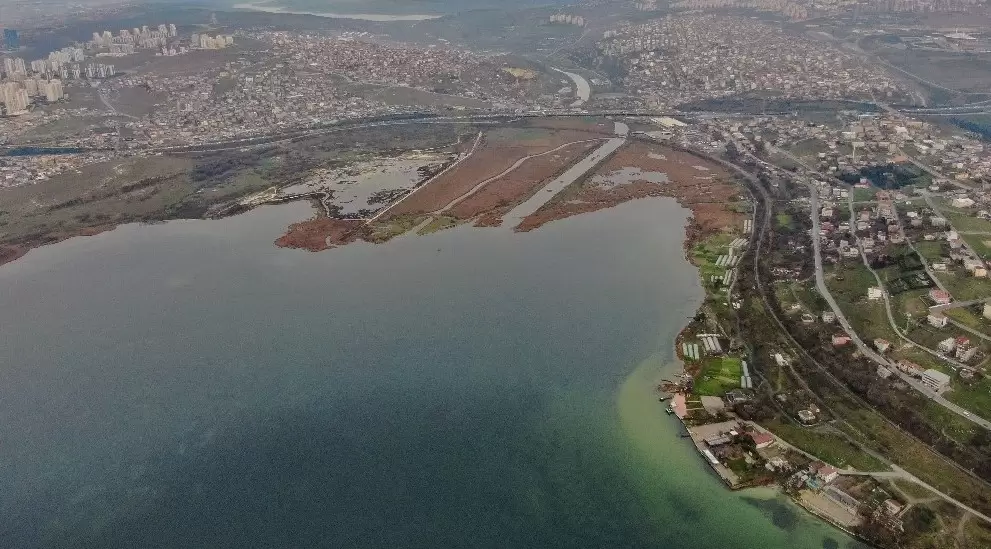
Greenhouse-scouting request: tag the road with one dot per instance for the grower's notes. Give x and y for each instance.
(761, 228)
(865, 349)
(969, 330)
(824, 290)
(956, 304)
(925, 262)
(899, 473)
(911, 381)
(580, 168)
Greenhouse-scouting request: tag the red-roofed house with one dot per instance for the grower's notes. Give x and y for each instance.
(827, 473)
(941, 297)
(840, 339)
(762, 440)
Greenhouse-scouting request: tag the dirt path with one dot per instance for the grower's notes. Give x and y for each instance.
(505, 172)
(425, 184)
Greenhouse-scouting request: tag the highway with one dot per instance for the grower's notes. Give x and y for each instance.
(429, 118)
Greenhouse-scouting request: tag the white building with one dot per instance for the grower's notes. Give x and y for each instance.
(947, 345)
(874, 293)
(14, 98)
(935, 380)
(53, 90)
(937, 320)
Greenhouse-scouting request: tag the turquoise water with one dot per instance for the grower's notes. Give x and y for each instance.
(191, 385)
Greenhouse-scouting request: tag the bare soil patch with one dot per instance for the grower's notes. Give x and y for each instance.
(698, 184)
(500, 195)
(499, 150)
(320, 233)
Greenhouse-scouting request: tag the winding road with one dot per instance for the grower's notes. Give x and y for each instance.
(864, 348)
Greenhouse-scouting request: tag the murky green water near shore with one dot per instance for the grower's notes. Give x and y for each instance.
(190, 385)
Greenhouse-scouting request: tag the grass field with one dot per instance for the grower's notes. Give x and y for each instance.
(718, 375)
(966, 223)
(975, 397)
(829, 447)
(784, 220)
(968, 318)
(980, 243)
(954, 426)
(964, 287)
(849, 282)
(706, 253)
(864, 195)
(931, 250)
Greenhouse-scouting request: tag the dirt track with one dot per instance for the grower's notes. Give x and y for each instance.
(499, 150)
(499, 194)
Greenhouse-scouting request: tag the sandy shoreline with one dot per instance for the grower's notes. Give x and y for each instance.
(265, 7)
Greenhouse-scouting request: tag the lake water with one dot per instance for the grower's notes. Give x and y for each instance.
(191, 385)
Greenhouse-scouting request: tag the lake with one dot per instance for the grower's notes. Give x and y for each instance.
(191, 385)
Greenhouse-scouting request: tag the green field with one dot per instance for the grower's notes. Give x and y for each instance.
(960, 429)
(849, 282)
(784, 220)
(975, 397)
(966, 223)
(931, 250)
(706, 253)
(864, 195)
(980, 243)
(968, 318)
(718, 375)
(829, 447)
(964, 287)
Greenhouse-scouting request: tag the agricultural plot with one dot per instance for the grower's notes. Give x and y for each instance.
(718, 375)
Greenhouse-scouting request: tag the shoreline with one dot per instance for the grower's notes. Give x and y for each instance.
(695, 233)
(377, 17)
